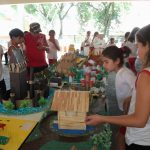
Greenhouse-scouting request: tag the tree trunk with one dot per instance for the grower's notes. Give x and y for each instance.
(61, 29)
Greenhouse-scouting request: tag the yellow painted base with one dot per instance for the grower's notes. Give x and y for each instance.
(17, 130)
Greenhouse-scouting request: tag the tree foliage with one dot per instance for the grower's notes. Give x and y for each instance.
(63, 11)
(106, 13)
(84, 13)
(49, 12)
(44, 11)
(103, 14)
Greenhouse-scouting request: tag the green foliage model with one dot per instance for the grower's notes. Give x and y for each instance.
(42, 101)
(103, 138)
(9, 105)
(25, 104)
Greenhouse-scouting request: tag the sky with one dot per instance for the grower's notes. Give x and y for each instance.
(138, 16)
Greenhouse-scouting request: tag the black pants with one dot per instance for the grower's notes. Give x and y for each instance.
(137, 147)
(6, 58)
(32, 70)
(3, 90)
(36, 69)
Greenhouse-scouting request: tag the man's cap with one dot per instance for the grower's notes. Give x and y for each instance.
(35, 27)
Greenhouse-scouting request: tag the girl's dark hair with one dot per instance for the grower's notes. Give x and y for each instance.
(113, 52)
(16, 33)
(143, 36)
(132, 34)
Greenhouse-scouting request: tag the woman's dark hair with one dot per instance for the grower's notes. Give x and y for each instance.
(113, 52)
(143, 36)
(16, 33)
(132, 34)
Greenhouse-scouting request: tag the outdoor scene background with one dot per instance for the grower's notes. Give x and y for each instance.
(72, 20)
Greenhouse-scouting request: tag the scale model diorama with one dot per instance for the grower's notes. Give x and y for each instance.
(84, 77)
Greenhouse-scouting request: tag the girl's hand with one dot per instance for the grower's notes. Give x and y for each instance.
(94, 120)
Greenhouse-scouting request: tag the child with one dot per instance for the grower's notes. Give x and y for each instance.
(53, 47)
(17, 64)
(14, 50)
(138, 118)
(111, 42)
(113, 58)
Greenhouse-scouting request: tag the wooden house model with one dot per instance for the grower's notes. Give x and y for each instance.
(72, 107)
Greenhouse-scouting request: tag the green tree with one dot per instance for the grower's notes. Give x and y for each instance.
(103, 14)
(62, 13)
(49, 12)
(84, 13)
(45, 12)
(107, 12)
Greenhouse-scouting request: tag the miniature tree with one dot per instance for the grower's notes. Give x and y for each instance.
(103, 138)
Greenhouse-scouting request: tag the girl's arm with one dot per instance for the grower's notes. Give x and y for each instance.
(10, 50)
(142, 108)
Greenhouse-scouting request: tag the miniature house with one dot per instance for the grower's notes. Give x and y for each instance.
(72, 107)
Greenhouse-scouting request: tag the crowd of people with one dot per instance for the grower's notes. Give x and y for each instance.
(94, 45)
(136, 101)
(30, 46)
(130, 62)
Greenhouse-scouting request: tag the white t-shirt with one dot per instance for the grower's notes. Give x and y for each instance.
(52, 53)
(86, 42)
(139, 136)
(1, 67)
(132, 47)
(124, 83)
(98, 43)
